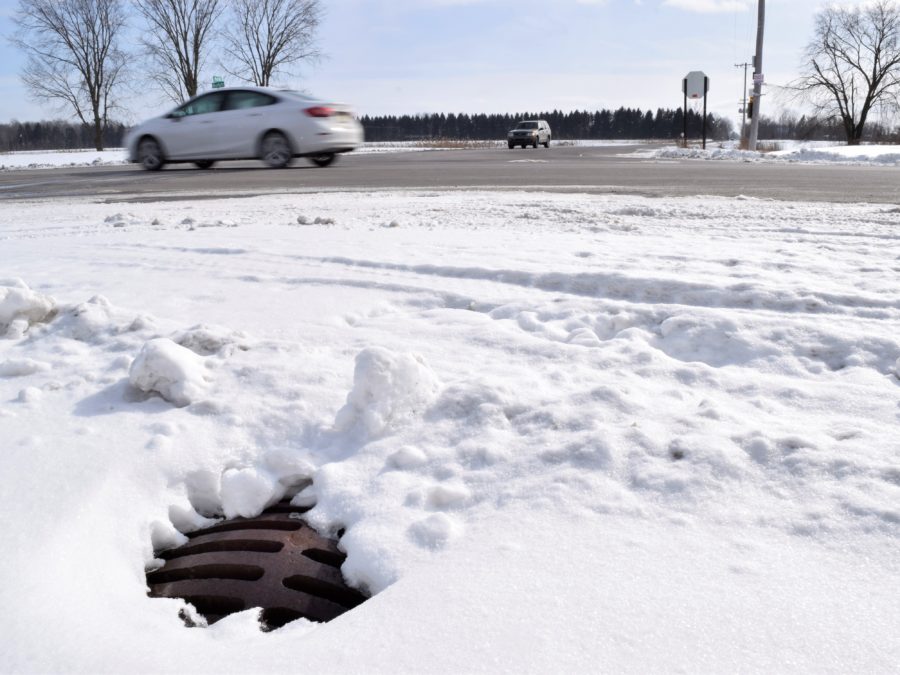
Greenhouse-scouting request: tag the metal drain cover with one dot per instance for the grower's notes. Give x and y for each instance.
(274, 561)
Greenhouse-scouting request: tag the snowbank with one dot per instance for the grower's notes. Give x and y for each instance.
(62, 158)
(817, 153)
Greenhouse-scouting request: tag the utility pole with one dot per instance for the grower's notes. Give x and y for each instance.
(744, 105)
(757, 75)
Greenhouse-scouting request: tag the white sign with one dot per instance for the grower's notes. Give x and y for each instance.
(758, 78)
(695, 85)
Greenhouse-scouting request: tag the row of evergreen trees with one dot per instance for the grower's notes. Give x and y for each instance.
(624, 123)
(56, 135)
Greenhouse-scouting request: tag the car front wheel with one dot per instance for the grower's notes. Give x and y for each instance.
(150, 154)
(322, 160)
(275, 150)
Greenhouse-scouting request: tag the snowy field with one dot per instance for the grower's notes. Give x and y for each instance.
(564, 433)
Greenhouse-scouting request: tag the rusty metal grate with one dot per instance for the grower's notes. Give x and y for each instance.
(274, 561)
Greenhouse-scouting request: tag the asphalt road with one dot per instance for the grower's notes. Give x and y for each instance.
(601, 170)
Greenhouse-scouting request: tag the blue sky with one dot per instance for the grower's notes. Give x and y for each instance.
(416, 56)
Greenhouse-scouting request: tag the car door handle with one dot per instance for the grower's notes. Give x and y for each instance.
(254, 115)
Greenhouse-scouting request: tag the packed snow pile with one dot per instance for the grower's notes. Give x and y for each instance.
(20, 307)
(386, 388)
(559, 432)
(174, 372)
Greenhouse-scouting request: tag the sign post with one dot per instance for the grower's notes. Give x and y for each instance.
(695, 85)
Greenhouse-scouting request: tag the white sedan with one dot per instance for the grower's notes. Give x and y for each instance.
(244, 123)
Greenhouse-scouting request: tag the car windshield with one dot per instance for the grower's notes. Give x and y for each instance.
(527, 125)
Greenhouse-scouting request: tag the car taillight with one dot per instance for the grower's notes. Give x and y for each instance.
(319, 111)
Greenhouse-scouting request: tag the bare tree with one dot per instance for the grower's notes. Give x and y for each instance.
(73, 55)
(268, 35)
(177, 41)
(853, 62)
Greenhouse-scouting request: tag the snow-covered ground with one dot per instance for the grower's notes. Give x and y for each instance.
(790, 151)
(564, 433)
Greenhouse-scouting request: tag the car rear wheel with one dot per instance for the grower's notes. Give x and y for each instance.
(275, 150)
(547, 142)
(204, 164)
(511, 145)
(150, 154)
(322, 160)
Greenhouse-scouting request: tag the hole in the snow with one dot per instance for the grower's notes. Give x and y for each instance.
(276, 617)
(287, 508)
(215, 605)
(274, 561)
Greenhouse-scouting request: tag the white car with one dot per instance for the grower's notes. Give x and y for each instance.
(529, 132)
(244, 123)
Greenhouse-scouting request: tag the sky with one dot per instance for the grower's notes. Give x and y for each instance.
(423, 56)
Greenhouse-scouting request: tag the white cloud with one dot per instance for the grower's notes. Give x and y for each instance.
(708, 6)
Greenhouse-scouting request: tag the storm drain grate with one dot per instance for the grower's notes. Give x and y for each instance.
(274, 561)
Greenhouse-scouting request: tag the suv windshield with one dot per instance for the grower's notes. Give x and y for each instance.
(527, 125)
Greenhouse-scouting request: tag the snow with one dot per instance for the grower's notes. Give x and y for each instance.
(789, 151)
(172, 371)
(562, 432)
(62, 158)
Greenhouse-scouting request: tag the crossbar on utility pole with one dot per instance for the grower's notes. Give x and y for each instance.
(744, 104)
(757, 75)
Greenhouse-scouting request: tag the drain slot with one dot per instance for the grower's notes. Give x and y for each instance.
(274, 561)
(231, 572)
(232, 526)
(322, 589)
(256, 546)
(325, 557)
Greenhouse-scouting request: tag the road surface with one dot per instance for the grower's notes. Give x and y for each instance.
(598, 170)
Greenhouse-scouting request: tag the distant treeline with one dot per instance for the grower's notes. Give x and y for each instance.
(624, 123)
(56, 135)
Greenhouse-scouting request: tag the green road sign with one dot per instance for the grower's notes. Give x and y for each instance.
(218, 81)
